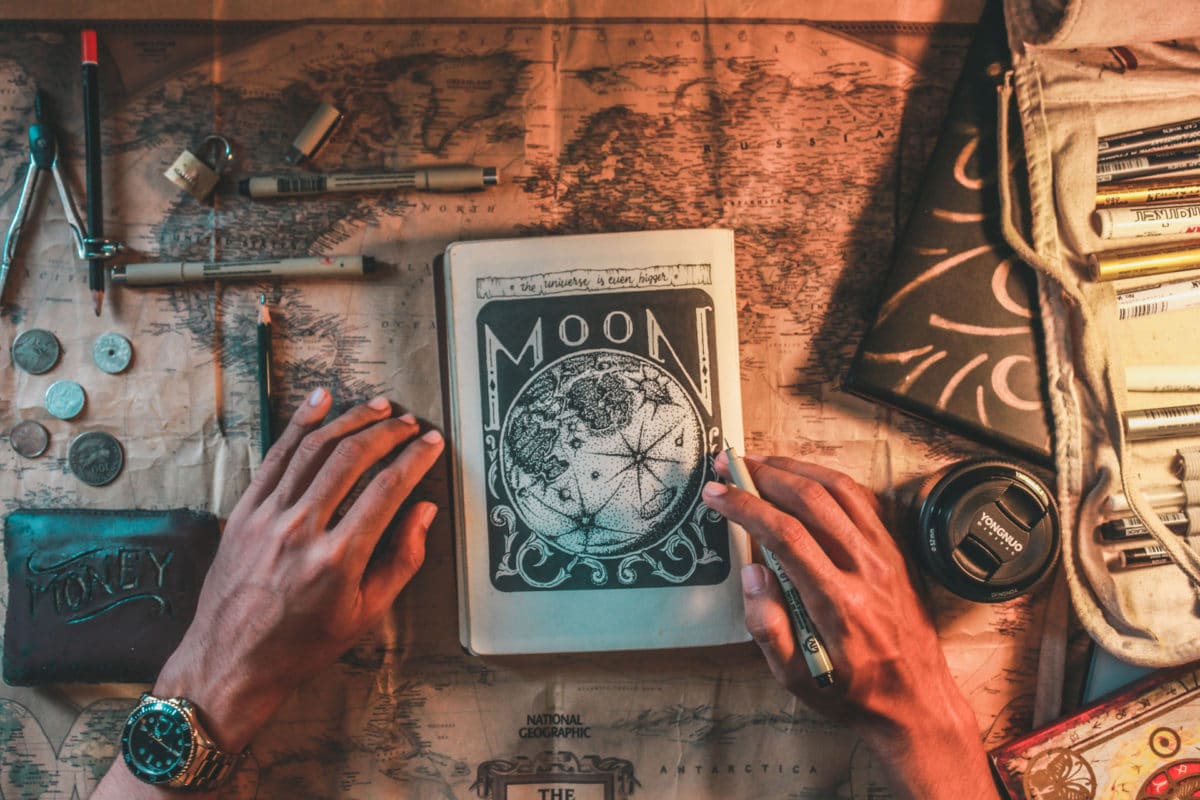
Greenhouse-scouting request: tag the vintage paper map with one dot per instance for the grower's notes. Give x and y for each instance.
(805, 137)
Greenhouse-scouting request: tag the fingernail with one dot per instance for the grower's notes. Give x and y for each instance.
(754, 579)
(380, 403)
(432, 436)
(409, 418)
(714, 489)
(427, 513)
(317, 397)
(721, 458)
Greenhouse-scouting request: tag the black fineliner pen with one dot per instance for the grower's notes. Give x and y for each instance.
(1126, 528)
(1151, 556)
(810, 643)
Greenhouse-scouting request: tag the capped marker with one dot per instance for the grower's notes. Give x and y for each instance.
(162, 274)
(438, 178)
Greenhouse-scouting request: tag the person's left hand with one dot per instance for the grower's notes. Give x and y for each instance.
(292, 587)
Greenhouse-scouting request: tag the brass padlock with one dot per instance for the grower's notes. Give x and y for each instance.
(196, 176)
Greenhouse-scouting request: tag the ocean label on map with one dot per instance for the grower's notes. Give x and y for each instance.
(601, 416)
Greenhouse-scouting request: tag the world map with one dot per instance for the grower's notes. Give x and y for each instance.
(806, 138)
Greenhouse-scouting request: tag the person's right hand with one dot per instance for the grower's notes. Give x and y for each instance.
(891, 681)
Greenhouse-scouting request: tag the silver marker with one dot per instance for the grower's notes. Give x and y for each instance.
(1162, 423)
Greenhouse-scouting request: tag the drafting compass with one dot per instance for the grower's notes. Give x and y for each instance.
(43, 156)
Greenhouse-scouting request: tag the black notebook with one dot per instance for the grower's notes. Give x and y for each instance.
(956, 337)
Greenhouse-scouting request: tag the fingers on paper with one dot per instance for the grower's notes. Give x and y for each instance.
(396, 563)
(309, 455)
(305, 418)
(371, 512)
(349, 460)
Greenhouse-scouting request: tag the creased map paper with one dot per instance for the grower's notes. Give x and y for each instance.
(806, 138)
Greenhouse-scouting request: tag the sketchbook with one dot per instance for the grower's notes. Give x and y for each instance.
(590, 382)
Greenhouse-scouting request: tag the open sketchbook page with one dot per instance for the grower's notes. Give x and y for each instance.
(595, 379)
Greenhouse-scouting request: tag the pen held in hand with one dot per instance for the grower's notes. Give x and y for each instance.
(815, 655)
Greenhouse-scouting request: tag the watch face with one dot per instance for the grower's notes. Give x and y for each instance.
(157, 742)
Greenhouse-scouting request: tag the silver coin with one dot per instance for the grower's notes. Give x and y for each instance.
(95, 457)
(112, 353)
(35, 351)
(29, 438)
(64, 399)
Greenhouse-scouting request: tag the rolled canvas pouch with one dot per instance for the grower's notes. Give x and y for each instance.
(1083, 69)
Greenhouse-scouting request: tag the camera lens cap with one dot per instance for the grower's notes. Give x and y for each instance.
(988, 530)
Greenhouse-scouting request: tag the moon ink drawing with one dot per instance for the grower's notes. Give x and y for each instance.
(600, 423)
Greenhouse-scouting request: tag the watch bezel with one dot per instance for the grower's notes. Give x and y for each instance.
(167, 706)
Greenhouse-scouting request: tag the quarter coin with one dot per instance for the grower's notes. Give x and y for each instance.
(64, 399)
(35, 351)
(29, 438)
(112, 353)
(95, 457)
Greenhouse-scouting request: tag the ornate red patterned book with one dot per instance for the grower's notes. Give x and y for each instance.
(1142, 743)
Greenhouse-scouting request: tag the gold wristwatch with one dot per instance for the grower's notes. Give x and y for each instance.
(164, 744)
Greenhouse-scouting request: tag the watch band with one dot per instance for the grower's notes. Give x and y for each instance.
(207, 766)
(210, 768)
